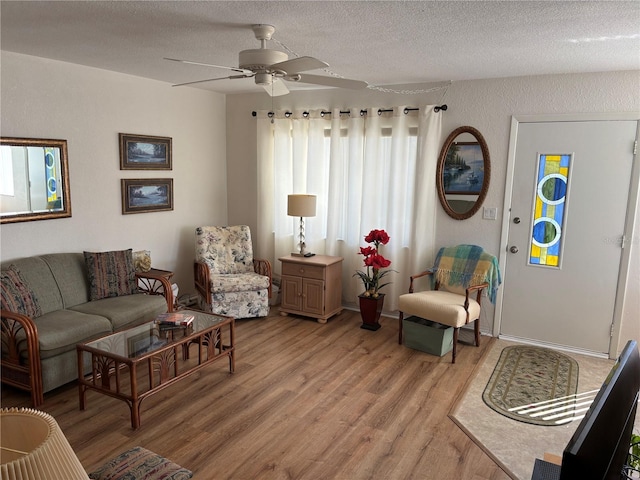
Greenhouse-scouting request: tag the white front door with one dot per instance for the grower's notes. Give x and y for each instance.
(566, 221)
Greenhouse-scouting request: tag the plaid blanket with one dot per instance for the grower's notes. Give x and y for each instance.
(466, 265)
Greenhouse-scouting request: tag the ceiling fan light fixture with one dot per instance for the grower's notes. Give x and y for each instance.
(263, 79)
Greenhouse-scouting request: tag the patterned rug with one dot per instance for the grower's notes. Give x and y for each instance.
(534, 385)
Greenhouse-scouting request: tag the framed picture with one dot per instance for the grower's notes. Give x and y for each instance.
(463, 169)
(141, 195)
(144, 152)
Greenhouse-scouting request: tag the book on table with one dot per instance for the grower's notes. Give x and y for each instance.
(174, 319)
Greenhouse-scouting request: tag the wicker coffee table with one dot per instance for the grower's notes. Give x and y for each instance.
(134, 364)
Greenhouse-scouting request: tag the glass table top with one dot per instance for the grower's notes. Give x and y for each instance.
(151, 336)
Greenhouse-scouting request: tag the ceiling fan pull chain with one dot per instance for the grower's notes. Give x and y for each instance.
(284, 47)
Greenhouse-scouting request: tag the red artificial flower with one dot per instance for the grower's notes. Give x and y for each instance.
(366, 251)
(374, 261)
(378, 237)
(377, 262)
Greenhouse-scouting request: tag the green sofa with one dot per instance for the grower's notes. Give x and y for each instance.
(39, 351)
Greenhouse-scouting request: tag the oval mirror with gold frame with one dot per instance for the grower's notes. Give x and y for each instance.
(463, 173)
(34, 180)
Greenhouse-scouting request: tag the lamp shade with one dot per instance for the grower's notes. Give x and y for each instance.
(32, 447)
(301, 205)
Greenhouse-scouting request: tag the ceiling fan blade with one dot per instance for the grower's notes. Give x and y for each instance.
(232, 77)
(235, 69)
(300, 64)
(328, 81)
(276, 89)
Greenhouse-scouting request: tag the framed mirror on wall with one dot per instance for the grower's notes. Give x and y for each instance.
(34, 180)
(463, 173)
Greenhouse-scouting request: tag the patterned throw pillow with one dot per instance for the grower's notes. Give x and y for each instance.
(17, 295)
(139, 463)
(111, 274)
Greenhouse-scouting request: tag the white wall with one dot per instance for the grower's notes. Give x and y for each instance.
(487, 105)
(88, 107)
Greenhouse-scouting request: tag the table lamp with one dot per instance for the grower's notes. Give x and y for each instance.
(33, 447)
(301, 205)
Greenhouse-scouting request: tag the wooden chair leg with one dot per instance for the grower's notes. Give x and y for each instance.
(477, 331)
(455, 344)
(400, 317)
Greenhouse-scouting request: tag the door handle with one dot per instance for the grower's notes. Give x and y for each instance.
(516, 220)
(513, 249)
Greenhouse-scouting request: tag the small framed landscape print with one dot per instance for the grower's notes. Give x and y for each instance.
(144, 152)
(141, 195)
(463, 169)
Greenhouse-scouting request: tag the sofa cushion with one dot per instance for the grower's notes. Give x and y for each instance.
(17, 295)
(140, 464)
(110, 274)
(60, 331)
(70, 273)
(241, 282)
(126, 311)
(38, 276)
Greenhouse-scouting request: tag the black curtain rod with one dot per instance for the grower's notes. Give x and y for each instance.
(436, 109)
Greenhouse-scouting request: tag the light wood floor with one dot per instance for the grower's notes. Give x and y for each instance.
(307, 401)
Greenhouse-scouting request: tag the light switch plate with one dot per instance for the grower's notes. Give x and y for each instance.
(490, 213)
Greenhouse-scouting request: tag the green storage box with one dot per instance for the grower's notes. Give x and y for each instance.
(427, 336)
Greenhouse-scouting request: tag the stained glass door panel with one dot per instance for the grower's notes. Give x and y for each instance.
(550, 202)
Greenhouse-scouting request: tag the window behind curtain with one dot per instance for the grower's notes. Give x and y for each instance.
(366, 174)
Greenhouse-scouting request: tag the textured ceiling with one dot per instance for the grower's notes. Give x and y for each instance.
(380, 42)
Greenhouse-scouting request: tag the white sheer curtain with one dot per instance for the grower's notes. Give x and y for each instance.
(367, 171)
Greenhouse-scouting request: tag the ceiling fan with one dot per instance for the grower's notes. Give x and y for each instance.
(269, 67)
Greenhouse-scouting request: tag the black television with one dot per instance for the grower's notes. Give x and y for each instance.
(600, 445)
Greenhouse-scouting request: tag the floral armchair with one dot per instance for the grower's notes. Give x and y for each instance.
(228, 280)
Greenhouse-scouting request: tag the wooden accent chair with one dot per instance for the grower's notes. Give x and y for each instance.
(459, 274)
(228, 280)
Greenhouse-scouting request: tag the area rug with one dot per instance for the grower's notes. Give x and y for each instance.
(514, 446)
(533, 385)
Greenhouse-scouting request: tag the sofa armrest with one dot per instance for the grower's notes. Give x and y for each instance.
(156, 282)
(263, 267)
(20, 361)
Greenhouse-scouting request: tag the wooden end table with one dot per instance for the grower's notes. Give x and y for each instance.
(136, 363)
(311, 286)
